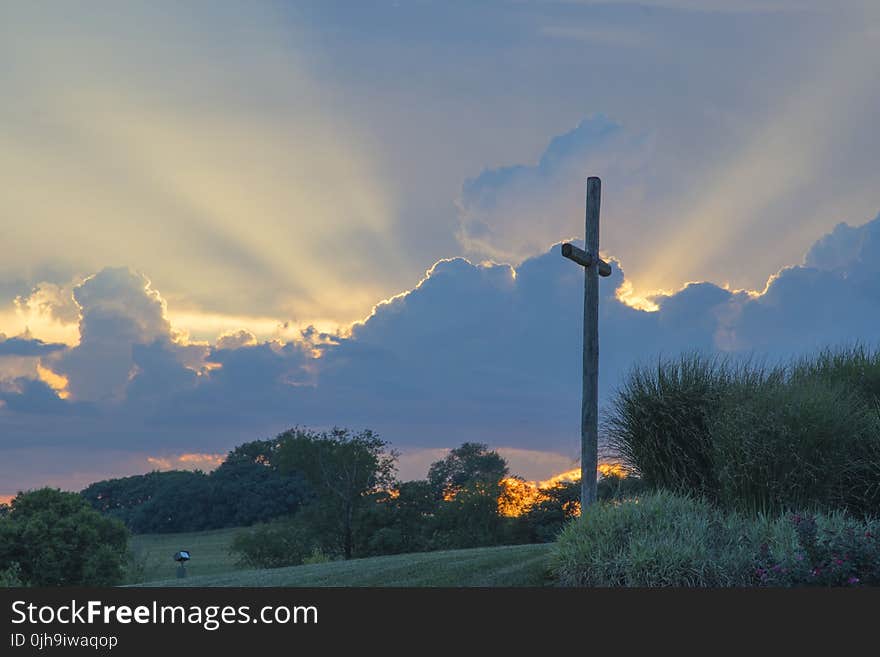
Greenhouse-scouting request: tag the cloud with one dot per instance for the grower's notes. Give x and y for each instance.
(236, 339)
(18, 346)
(121, 315)
(193, 461)
(219, 150)
(513, 212)
(33, 397)
(475, 351)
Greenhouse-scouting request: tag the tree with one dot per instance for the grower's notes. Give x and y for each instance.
(246, 488)
(57, 539)
(343, 468)
(543, 522)
(468, 464)
(467, 485)
(262, 452)
(400, 520)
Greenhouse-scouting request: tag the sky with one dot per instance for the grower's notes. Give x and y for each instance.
(223, 219)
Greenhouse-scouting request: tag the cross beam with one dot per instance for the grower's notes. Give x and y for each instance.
(585, 259)
(593, 268)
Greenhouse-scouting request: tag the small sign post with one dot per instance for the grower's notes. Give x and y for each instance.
(181, 558)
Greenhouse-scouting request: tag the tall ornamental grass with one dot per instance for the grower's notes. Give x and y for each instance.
(752, 437)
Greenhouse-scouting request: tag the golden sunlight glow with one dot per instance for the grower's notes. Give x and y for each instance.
(58, 382)
(188, 461)
(518, 496)
(626, 295)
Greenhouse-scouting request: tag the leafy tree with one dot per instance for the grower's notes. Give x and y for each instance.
(343, 468)
(467, 485)
(543, 522)
(53, 538)
(246, 488)
(245, 492)
(468, 464)
(402, 520)
(261, 452)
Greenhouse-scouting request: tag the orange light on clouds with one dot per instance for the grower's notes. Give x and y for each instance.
(58, 382)
(188, 461)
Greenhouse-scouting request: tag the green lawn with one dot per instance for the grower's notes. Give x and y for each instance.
(153, 554)
(518, 565)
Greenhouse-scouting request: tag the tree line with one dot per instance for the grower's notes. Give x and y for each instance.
(302, 496)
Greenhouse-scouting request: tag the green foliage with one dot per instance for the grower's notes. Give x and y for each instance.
(52, 538)
(466, 485)
(275, 544)
(398, 523)
(613, 486)
(470, 464)
(543, 522)
(804, 445)
(832, 550)
(10, 576)
(658, 540)
(666, 539)
(343, 468)
(470, 518)
(317, 556)
(756, 438)
(245, 489)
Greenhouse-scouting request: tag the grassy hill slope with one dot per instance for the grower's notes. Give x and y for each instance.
(518, 565)
(153, 554)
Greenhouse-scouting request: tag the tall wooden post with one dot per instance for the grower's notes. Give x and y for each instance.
(594, 267)
(590, 401)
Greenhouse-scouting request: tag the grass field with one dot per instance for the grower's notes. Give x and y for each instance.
(518, 565)
(153, 554)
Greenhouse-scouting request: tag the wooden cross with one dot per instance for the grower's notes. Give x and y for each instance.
(593, 268)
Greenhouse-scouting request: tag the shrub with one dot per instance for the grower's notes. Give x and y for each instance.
(317, 556)
(660, 417)
(613, 486)
(10, 576)
(802, 445)
(274, 544)
(756, 438)
(665, 539)
(831, 550)
(855, 367)
(661, 539)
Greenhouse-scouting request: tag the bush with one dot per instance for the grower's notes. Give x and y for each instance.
(755, 438)
(833, 550)
(659, 540)
(660, 417)
(53, 538)
(802, 445)
(274, 544)
(10, 576)
(664, 539)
